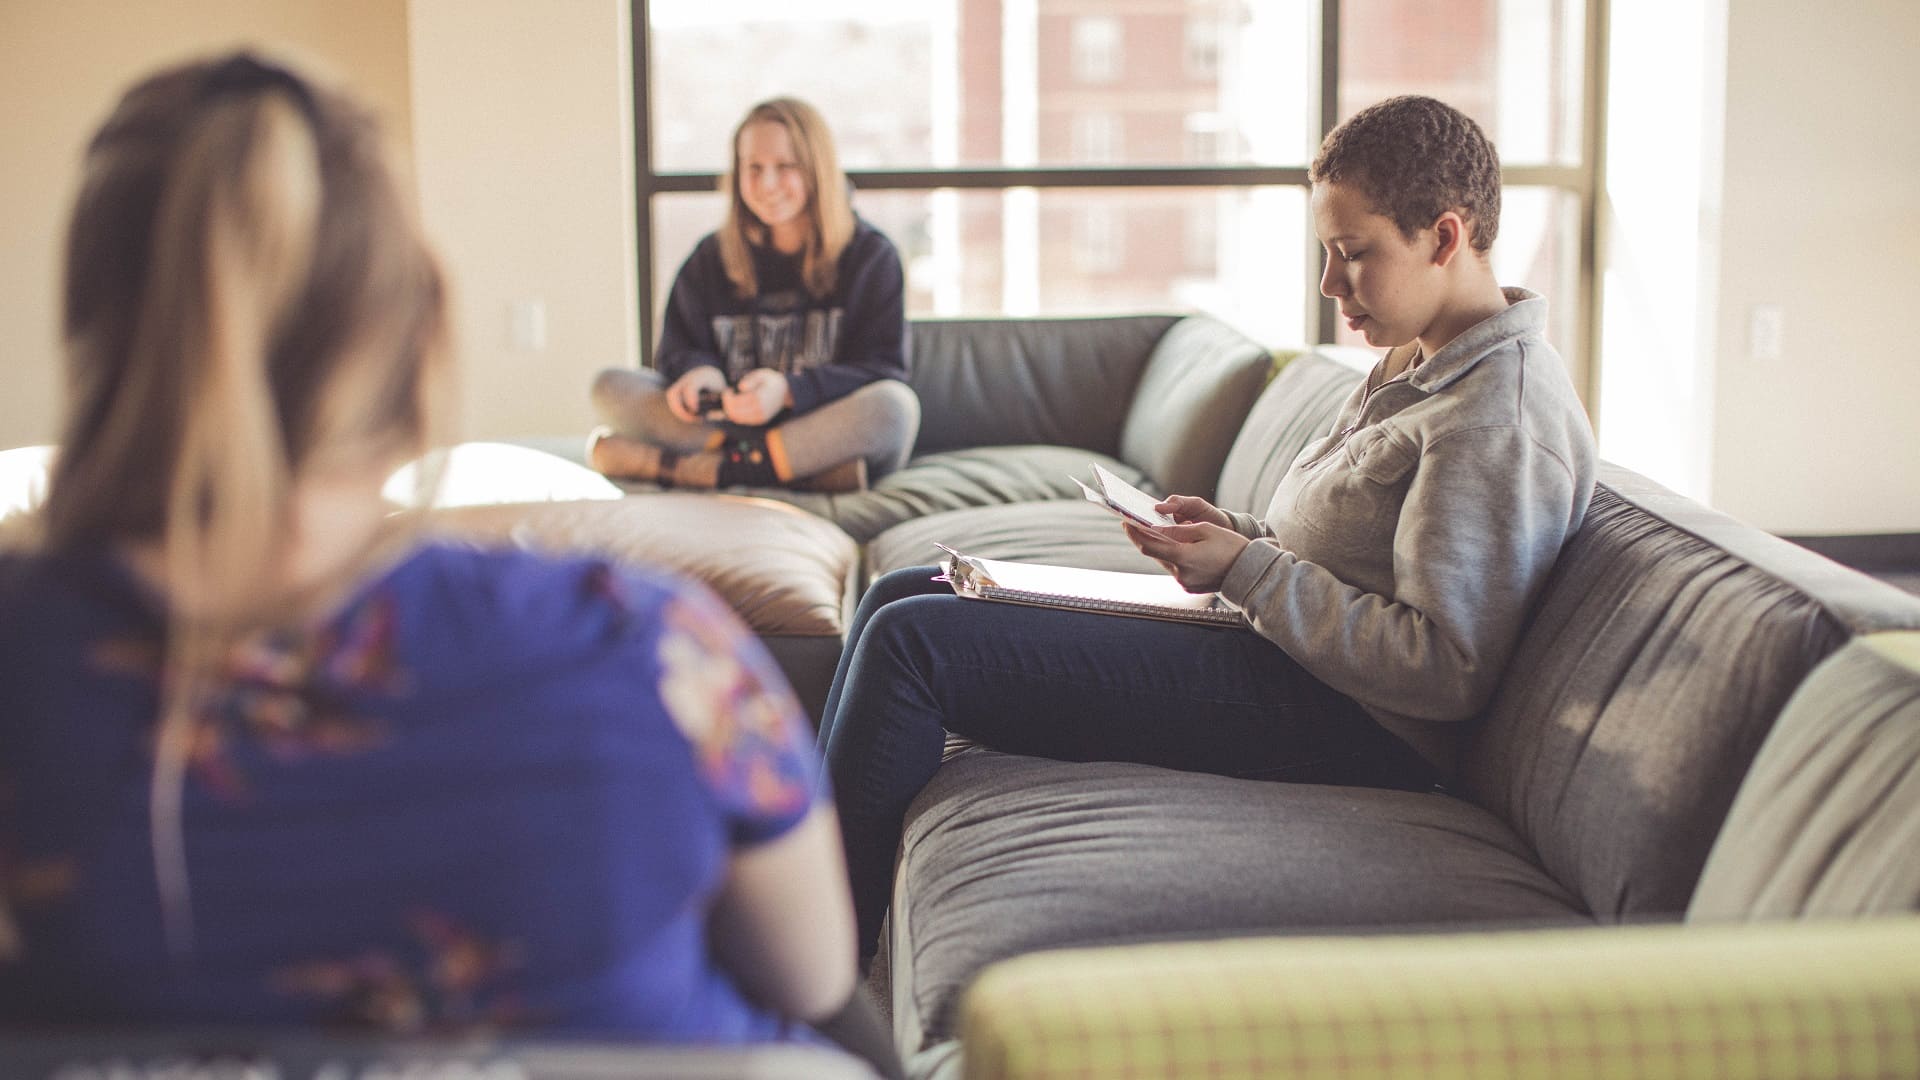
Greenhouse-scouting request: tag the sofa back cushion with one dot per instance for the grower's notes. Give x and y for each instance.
(1193, 397)
(1062, 382)
(1827, 823)
(1666, 642)
(1297, 407)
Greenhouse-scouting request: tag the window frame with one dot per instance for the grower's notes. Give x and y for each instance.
(1581, 180)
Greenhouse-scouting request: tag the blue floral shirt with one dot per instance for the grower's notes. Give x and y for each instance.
(493, 790)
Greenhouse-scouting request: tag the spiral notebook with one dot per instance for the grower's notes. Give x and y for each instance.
(1111, 592)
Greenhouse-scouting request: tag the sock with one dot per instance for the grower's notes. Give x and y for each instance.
(628, 459)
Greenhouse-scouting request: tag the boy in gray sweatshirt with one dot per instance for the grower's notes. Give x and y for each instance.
(1402, 552)
(1386, 584)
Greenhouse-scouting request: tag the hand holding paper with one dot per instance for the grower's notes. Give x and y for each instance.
(1122, 498)
(1198, 555)
(1188, 509)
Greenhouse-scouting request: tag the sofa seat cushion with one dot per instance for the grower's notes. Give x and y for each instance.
(958, 479)
(788, 574)
(1005, 854)
(1059, 532)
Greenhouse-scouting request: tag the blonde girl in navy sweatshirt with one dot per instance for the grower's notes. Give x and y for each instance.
(783, 357)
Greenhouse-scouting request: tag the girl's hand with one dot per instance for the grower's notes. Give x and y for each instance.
(1188, 509)
(1198, 555)
(683, 397)
(761, 395)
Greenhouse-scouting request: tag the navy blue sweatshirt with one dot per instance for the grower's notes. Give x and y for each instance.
(826, 347)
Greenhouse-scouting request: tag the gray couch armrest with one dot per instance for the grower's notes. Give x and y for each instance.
(1196, 391)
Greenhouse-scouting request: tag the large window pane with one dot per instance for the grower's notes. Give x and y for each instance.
(1074, 84)
(868, 66)
(972, 83)
(1539, 249)
(1156, 82)
(1513, 65)
(679, 221)
(1232, 252)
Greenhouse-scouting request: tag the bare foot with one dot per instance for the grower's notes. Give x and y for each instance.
(617, 456)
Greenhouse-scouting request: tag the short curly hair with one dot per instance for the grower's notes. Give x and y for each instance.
(1415, 158)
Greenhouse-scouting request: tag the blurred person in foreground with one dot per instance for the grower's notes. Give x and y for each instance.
(268, 758)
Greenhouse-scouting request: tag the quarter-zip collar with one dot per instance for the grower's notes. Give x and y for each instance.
(1526, 314)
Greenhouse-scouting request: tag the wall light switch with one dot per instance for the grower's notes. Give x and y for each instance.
(527, 325)
(1766, 332)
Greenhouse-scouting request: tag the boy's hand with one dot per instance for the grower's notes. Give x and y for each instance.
(683, 397)
(761, 395)
(1187, 509)
(1198, 555)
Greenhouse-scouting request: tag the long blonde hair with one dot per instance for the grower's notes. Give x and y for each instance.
(829, 212)
(248, 300)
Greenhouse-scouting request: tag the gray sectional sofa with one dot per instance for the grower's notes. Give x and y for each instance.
(1593, 791)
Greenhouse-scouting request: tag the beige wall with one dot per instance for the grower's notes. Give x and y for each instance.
(523, 137)
(62, 64)
(1820, 218)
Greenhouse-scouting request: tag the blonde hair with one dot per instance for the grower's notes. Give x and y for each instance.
(248, 301)
(829, 212)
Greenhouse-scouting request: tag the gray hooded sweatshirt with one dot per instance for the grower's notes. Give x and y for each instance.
(1401, 554)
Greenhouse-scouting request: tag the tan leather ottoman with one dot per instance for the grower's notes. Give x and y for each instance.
(791, 576)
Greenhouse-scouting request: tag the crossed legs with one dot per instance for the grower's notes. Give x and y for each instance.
(921, 662)
(875, 424)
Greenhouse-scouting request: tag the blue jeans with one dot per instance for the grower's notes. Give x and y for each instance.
(1076, 686)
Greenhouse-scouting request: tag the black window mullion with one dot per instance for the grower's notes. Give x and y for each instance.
(1592, 226)
(1323, 315)
(1039, 177)
(639, 19)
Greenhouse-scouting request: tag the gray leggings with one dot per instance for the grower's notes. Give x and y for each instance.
(877, 422)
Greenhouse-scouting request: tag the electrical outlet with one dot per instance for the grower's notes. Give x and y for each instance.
(1766, 332)
(527, 325)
